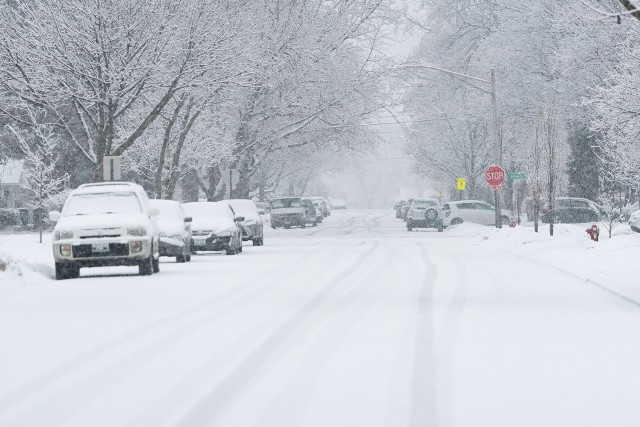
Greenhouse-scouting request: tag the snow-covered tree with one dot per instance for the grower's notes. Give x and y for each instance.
(40, 147)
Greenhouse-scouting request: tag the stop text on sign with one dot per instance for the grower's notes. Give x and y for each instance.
(495, 176)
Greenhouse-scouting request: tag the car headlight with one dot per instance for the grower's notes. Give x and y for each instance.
(62, 234)
(137, 231)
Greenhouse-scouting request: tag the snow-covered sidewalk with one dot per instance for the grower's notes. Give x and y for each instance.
(607, 263)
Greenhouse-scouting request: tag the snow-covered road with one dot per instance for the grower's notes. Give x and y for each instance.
(354, 323)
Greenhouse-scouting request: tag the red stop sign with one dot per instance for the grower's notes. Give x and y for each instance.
(494, 175)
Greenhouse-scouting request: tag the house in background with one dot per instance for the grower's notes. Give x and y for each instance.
(12, 184)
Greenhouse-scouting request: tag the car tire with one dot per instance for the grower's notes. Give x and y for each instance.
(145, 268)
(440, 228)
(66, 271)
(239, 249)
(188, 257)
(230, 251)
(181, 258)
(155, 263)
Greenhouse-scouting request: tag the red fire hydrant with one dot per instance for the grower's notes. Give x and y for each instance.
(593, 232)
(513, 223)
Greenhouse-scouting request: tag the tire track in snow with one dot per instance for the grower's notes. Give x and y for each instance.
(319, 353)
(212, 405)
(424, 410)
(60, 372)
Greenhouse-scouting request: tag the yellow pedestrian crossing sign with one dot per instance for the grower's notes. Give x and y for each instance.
(462, 184)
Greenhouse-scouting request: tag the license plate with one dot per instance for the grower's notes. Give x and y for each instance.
(99, 248)
(199, 242)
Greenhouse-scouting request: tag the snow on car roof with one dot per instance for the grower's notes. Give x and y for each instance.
(107, 187)
(208, 209)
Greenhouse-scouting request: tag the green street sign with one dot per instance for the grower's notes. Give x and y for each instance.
(517, 175)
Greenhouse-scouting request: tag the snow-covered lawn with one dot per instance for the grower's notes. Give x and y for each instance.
(354, 322)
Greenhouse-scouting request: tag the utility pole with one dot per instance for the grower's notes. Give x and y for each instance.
(497, 142)
(497, 139)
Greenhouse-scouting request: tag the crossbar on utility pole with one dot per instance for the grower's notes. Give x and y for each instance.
(497, 141)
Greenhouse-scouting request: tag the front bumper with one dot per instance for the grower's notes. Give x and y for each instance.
(170, 246)
(102, 252)
(210, 243)
(280, 221)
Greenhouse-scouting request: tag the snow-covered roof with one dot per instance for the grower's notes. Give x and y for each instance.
(10, 172)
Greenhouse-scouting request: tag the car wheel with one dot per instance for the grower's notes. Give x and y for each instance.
(636, 229)
(145, 268)
(188, 257)
(181, 258)
(303, 225)
(66, 271)
(456, 221)
(230, 251)
(239, 250)
(156, 265)
(440, 228)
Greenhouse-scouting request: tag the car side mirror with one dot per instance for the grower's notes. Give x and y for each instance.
(239, 218)
(154, 212)
(188, 219)
(54, 216)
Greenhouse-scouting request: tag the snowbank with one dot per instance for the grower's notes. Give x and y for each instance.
(607, 263)
(23, 260)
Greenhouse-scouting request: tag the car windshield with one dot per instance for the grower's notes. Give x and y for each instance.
(244, 207)
(102, 203)
(286, 203)
(167, 210)
(206, 209)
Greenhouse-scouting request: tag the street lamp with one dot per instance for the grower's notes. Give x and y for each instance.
(497, 143)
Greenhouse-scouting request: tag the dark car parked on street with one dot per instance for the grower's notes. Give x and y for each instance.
(573, 210)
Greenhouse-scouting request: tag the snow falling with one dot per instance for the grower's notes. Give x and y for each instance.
(319, 213)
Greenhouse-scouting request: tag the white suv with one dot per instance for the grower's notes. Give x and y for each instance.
(105, 224)
(475, 211)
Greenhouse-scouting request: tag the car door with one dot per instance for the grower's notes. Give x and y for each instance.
(486, 213)
(465, 212)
